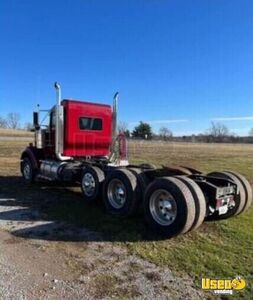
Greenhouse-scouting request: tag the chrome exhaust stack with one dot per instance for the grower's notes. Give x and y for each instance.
(58, 93)
(59, 127)
(118, 156)
(115, 115)
(112, 155)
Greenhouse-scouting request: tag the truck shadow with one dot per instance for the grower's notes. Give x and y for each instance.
(57, 212)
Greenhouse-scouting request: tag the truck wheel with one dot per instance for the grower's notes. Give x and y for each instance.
(27, 170)
(121, 192)
(91, 182)
(247, 188)
(169, 206)
(141, 178)
(199, 200)
(240, 198)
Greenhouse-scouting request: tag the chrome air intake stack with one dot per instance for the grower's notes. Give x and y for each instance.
(115, 115)
(59, 125)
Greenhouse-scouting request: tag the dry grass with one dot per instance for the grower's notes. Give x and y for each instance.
(205, 157)
(15, 133)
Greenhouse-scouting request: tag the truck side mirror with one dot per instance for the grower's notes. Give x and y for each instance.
(36, 120)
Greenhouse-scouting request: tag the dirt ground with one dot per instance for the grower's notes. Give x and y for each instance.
(50, 260)
(42, 258)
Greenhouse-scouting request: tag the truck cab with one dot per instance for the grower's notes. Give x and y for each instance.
(85, 130)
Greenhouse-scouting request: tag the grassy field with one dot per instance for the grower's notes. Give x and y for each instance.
(15, 133)
(217, 249)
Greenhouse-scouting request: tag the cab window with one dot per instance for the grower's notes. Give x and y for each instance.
(87, 123)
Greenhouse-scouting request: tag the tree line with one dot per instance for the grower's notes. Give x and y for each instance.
(216, 133)
(12, 121)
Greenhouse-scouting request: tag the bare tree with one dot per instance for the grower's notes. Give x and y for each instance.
(218, 131)
(3, 122)
(165, 133)
(122, 126)
(13, 120)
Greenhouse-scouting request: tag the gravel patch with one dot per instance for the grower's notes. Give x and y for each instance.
(53, 260)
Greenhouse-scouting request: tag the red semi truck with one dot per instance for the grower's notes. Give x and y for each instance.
(81, 144)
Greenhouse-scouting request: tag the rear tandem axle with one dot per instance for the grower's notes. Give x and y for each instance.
(174, 200)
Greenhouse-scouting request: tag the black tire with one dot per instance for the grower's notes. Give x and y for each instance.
(199, 200)
(183, 204)
(141, 178)
(240, 198)
(121, 192)
(91, 183)
(247, 188)
(27, 170)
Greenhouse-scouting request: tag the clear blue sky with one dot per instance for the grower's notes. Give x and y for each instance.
(175, 60)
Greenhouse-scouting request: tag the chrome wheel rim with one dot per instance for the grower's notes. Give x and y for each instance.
(163, 207)
(116, 193)
(88, 184)
(27, 171)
